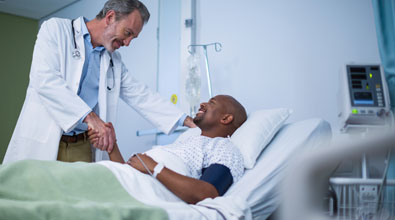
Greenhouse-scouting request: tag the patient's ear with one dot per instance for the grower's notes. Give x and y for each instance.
(227, 119)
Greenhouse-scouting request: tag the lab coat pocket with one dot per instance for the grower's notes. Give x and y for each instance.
(36, 124)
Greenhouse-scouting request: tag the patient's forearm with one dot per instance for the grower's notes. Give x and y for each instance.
(115, 155)
(188, 189)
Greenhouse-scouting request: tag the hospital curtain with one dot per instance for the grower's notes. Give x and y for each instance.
(384, 14)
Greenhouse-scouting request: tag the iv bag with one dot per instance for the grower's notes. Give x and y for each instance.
(193, 83)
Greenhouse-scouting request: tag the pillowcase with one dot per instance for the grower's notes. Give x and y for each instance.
(255, 134)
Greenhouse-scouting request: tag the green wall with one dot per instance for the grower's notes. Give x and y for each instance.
(17, 39)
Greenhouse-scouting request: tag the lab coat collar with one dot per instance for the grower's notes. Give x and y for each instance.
(78, 26)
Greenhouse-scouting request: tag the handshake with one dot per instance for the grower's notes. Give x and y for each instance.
(101, 134)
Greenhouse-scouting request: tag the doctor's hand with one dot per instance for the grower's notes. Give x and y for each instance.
(189, 122)
(105, 132)
(94, 137)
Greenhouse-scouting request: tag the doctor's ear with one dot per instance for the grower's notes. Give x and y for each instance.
(227, 119)
(110, 17)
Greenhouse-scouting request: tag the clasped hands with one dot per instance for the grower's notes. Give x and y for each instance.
(133, 161)
(101, 134)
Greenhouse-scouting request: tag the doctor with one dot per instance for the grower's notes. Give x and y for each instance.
(76, 79)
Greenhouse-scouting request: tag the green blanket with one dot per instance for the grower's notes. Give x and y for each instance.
(55, 190)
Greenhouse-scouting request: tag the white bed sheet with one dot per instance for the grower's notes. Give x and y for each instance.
(255, 195)
(150, 191)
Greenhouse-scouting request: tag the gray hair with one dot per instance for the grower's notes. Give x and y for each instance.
(123, 8)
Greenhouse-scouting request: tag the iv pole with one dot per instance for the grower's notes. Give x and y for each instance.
(218, 48)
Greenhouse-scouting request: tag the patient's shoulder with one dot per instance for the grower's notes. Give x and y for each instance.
(223, 151)
(222, 148)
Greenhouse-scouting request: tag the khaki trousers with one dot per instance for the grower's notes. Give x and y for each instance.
(77, 151)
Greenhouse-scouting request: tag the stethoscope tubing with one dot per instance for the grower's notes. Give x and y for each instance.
(76, 54)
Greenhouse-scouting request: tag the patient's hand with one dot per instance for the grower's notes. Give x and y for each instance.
(148, 161)
(106, 133)
(179, 184)
(93, 135)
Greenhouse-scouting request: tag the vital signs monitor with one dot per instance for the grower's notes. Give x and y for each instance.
(364, 98)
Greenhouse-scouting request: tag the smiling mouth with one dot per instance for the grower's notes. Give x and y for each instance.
(117, 44)
(200, 111)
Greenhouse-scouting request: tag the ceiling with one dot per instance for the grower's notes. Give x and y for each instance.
(35, 9)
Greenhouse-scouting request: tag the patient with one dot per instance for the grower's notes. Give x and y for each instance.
(212, 161)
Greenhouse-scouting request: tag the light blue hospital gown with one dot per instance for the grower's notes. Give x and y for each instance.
(200, 152)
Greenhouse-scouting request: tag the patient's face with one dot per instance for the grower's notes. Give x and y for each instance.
(210, 112)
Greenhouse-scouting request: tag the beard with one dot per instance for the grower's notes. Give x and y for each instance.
(198, 119)
(108, 36)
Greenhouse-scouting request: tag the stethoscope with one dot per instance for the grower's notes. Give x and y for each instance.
(77, 55)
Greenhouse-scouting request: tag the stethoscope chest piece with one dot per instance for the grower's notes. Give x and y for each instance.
(76, 54)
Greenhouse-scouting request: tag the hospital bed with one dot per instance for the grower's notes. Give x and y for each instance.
(254, 196)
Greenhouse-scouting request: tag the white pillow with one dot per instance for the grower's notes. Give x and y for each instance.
(255, 134)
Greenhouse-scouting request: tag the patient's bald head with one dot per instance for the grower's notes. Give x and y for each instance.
(220, 116)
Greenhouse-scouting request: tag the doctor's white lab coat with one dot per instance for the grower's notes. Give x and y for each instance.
(53, 106)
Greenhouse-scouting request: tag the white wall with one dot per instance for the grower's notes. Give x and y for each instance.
(141, 60)
(284, 53)
(276, 53)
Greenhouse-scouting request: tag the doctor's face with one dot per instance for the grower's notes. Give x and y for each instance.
(120, 33)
